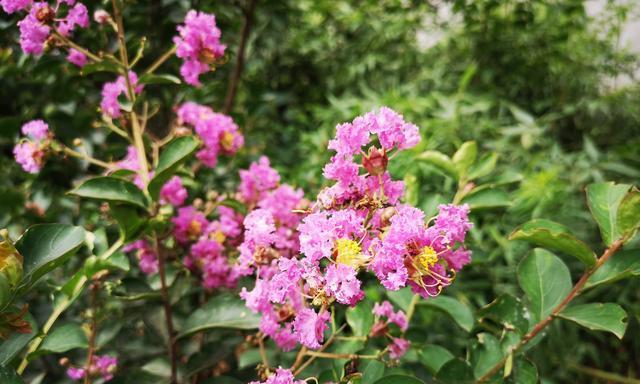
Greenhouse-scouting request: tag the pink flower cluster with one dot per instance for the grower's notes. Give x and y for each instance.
(113, 90)
(103, 366)
(30, 151)
(281, 376)
(147, 257)
(198, 45)
(218, 132)
(381, 328)
(357, 225)
(37, 25)
(173, 192)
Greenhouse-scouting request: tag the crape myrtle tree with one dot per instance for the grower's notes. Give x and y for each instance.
(259, 274)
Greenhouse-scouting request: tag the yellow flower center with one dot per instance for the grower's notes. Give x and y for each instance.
(348, 252)
(194, 229)
(218, 236)
(427, 258)
(227, 141)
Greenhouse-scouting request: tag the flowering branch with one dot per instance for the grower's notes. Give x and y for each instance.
(577, 289)
(92, 334)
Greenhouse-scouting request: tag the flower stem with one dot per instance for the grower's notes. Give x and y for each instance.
(92, 335)
(160, 60)
(86, 157)
(312, 358)
(172, 347)
(327, 355)
(575, 291)
(77, 47)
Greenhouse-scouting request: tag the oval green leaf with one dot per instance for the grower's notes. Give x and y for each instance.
(604, 200)
(224, 311)
(173, 155)
(399, 379)
(465, 156)
(44, 247)
(360, 318)
(433, 357)
(441, 162)
(62, 339)
(459, 312)
(111, 189)
(549, 234)
(629, 214)
(487, 198)
(608, 317)
(622, 265)
(152, 78)
(545, 279)
(456, 371)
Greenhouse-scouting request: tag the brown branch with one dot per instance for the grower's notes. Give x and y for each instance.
(172, 347)
(92, 334)
(559, 308)
(234, 81)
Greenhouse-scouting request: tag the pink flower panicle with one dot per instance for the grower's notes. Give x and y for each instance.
(31, 150)
(281, 376)
(218, 132)
(77, 58)
(147, 257)
(198, 44)
(111, 91)
(11, 6)
(101, 366)
(173, 192)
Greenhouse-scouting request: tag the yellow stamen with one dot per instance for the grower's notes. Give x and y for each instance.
(227, 141)
(348, 252)
(218, 236)
(427, 258)
(195, 227)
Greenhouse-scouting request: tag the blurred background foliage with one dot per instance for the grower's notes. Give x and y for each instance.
(541, 86)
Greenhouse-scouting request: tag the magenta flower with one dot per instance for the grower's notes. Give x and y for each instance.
(398, 347)
(33, 33)
(172, 192)
(189, 224)
(147, 257)
(30, 151)
(77, 16)
(282, 376)
(342, 283)
(75, 373)
(258, 179)
(77, 58)
(310, 327)
(11, 6)
(106, 365)
(36, 130)
(198, 45)
(113, 90)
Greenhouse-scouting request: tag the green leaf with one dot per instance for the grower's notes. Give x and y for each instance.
(173, 155)
(484, 166)
(459, 312)
(111, 189)
(5, 291)
(401, 298)
(621, 265)
(608, 317)
(440, 161)
(487, 198)
(373, 371)
(131, 220)
(62, 339)
(235, 205)
(507, 311)
(485, 354)
(465, 156)
(399, 379)
(101, 66)
(9, 376)
(549, 234)
(223, 311)
(604, 200)
(152, 78)
(15, 343)
(546, 281)
(456, 371)
(360, 318)
(524, 372)
(629, 214)
(44, 247)
(433, 357)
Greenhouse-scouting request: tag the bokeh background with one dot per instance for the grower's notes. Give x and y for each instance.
(548, 87)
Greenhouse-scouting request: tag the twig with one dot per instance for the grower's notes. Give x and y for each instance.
(173, 352)
(328, 355)
(86, 157)
(92, 334)
(312, 358)
(77, 47)
(239, 66)
(544, 322)
(160, 60)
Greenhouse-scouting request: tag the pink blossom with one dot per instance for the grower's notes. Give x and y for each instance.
(106, 365)
(77, 16)
(101, 16)
(33, 33)
(76, 57)
(173, 192)
(310, 327)
(29, 156)
(342, 283)
(282, 376)
(198, 45)
(398, 347)
(147, 258)
(11, 6)
(75, 373)
(258, 179)
(111, 91)
(189, 224)
(36, 129)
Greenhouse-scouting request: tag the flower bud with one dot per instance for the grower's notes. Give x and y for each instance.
(10, 260)
(375, 161)
(45, 14)
(101, 16)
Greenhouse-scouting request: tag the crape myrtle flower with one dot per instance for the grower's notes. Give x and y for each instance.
(101, 366)
(77, 58)
(32, 148)
(147, 257)
(111, 91)
(173, 192)
(218, 132)
(198, 45)
(281, 376)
